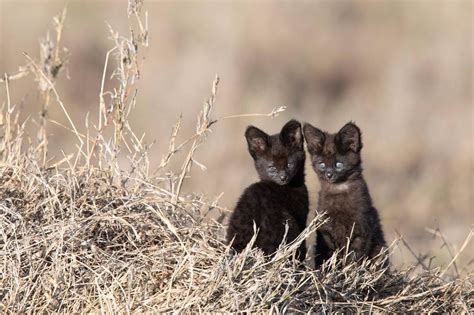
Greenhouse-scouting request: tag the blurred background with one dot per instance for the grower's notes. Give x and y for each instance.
(402, 70)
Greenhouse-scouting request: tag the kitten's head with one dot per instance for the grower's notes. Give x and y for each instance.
(334, 157)
(278, 157)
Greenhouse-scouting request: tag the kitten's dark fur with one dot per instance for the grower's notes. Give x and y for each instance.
(279, 198)
(336, 159)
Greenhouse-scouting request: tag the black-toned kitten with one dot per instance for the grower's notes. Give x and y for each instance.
(279, 198)
(336, 159)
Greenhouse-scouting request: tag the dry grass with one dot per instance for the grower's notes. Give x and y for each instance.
(73, 240)
(97, 230)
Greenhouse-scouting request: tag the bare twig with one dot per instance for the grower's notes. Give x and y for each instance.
(202, 127)
(463, 247)
(58, 99)
(274, 113)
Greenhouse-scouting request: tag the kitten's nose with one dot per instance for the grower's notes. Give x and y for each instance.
(329, 175)
(283, 177)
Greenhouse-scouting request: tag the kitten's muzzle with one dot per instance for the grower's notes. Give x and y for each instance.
(284, 177)
(329, 175)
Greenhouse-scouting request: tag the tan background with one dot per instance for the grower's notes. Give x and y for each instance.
(402, 70)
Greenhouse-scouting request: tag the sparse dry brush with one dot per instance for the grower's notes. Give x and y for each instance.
(99, 230)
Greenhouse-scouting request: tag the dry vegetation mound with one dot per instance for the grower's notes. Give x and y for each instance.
(74, 241)
(90, 233)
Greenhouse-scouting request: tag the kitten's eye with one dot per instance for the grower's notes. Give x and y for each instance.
(291, 164)
(339, 165)
(272, 168)
(321, 166)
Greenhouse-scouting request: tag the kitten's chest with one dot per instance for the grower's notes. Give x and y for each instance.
(335, 202)
(343, 208)
(296, 198)
(294, 202)
(347, 212)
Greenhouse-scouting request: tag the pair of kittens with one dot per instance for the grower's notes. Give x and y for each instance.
(280, 198)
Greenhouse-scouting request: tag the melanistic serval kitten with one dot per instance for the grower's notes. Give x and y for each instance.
(336, 159)
(280, 198)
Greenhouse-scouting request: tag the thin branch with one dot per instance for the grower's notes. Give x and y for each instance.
(58, 99)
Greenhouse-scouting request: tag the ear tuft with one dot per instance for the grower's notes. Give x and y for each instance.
(291, 134)
(314, 138)
(257, 140)
(349, 138)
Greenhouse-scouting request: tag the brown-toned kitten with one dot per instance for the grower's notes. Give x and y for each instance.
(336, 159)
(280, 197)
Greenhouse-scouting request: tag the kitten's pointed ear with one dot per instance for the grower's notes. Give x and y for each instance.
(257, 140)
(314, 138)
(291, 134)
(349, 138)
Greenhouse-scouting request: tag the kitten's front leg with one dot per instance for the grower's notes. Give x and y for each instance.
(268, 243)
(356, 249)
(324, 247)
(359, 247)
(378, 251)
(239, 237)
